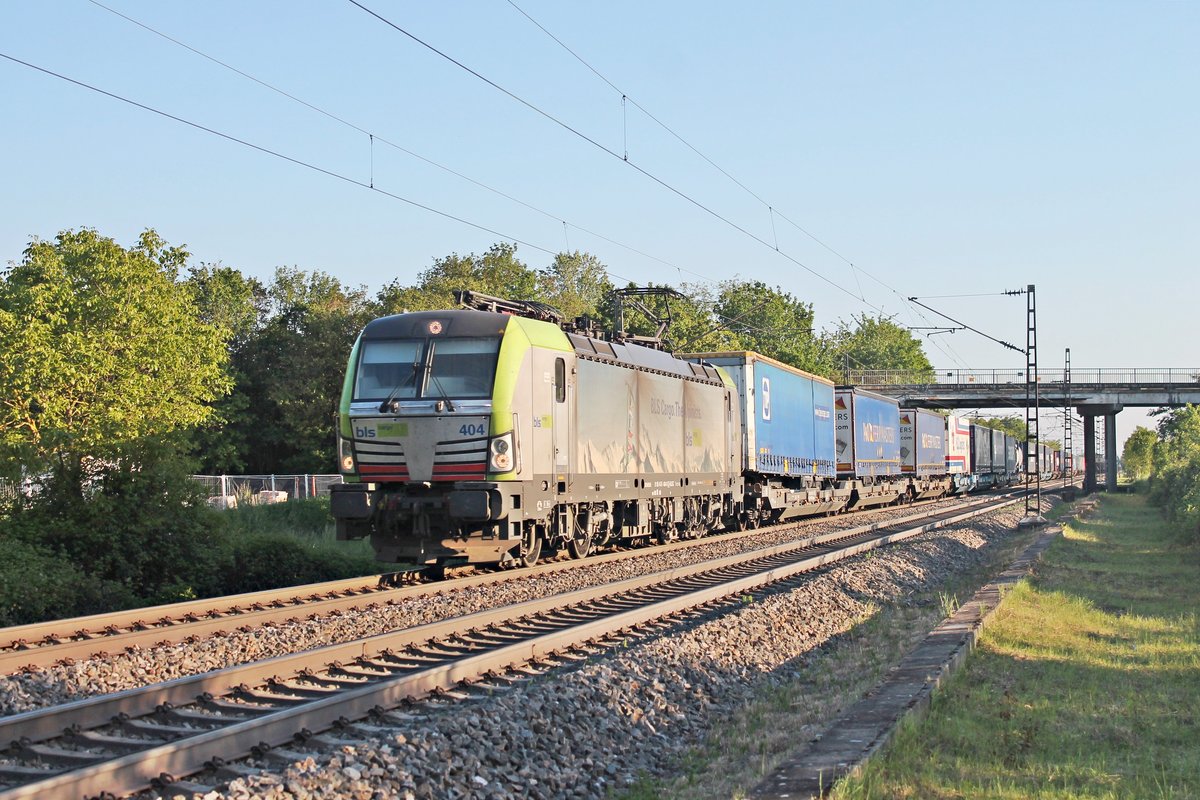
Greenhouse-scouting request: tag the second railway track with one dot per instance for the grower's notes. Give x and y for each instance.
(120, 743)
(63, 641)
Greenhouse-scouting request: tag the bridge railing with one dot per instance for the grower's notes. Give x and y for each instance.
(993, 377)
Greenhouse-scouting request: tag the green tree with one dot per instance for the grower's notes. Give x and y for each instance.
(769, 321)
(1013, 426)
(497, 272)
(1175, 469)
(876, 343)
(103, 347)
(577, 284)
(745, 315)
(1138, 453)
(291, 370)
(240, 307)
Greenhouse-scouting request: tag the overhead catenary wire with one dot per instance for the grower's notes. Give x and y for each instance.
(282, 156)
(771, 210)
(375, 137)
(968, 327)
(609, 151)
(372, 137)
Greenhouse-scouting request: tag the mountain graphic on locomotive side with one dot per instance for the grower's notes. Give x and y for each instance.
(494, 433)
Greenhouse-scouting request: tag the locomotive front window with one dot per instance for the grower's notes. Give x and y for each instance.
(389, 368)
(463, 368)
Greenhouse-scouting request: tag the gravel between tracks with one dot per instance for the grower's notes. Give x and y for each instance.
(593, 729)
(119, 671)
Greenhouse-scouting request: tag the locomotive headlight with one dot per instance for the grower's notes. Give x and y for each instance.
(501, 459)
(345, 455)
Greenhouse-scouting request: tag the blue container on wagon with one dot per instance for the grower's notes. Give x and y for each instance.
(867, 427)
(787, 414)
(922, 442)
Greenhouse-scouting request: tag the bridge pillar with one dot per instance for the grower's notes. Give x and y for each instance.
(1110, 452)
(1089, 414)
(1089, 453)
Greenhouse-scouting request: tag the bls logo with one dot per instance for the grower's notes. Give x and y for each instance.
(364, 433)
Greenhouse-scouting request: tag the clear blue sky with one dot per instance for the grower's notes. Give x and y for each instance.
(943, 147)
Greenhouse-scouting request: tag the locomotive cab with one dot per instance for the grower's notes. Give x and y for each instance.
(440, 417)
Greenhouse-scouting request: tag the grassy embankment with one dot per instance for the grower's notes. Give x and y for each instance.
(1086, 686)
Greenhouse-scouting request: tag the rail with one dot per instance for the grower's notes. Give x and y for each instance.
(177, 727)
(1138, 376)
(42, 644)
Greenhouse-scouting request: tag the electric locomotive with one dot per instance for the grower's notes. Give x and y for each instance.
(490, 433)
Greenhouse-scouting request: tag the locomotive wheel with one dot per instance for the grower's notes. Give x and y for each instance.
(531, 547)
(434, 572)
(580, 546)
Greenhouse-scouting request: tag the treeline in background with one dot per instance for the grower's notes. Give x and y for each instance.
(1167, 462)
(125, 369)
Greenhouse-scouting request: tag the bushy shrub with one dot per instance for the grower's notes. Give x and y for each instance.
(305, 518)
(144, 536)
(267, 561)
(36, 585)
(1175, 476)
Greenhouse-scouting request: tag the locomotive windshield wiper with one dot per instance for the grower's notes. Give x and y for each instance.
(385, 406)
(442, 392)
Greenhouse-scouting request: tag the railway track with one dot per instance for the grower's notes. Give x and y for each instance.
(132, 740)
(63, 641)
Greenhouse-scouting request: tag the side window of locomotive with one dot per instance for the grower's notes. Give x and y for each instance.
(560, 380)
(464, 368)
(387, 366)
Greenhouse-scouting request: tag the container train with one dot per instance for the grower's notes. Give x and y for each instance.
(489, 435)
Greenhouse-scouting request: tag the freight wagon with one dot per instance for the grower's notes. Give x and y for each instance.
(981, 456)
(958, 453)
(787, 436)
(867, 442)
(923, 453)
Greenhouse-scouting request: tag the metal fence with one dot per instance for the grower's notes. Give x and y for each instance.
(249, 487)
(1079, 377)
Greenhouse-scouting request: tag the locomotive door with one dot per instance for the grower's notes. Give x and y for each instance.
(561, 419)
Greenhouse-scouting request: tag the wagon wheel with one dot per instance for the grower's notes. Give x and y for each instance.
(531, 546)
(581, 542)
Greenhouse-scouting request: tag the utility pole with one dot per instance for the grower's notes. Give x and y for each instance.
(1033, 500)
(1068, 444)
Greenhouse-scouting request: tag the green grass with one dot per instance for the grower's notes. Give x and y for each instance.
(1086, 686)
